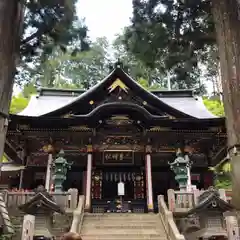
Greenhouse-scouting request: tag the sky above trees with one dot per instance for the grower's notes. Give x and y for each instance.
(106, 17)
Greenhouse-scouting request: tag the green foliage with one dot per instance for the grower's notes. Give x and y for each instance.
(4, 159)
(224, 182)
(222, 173)
(47, 26)
(28, 90)
(50, 23)
(6, 237)
(85, 69)
(66, 70)
(18, 103)
(178, 34)
(135, 67)
(145, 84)
(214, 106)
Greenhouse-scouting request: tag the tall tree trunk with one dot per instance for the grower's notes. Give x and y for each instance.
(9, 14)
(227, 24)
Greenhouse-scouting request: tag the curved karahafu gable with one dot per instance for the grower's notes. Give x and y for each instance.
(179, 104)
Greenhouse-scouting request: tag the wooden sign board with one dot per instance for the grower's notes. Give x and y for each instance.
(28, 227)
(124, 157)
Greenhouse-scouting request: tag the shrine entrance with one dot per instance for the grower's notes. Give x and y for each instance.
(110, 184)
(105, 189)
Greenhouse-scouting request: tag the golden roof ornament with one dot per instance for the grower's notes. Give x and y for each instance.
(118, 83)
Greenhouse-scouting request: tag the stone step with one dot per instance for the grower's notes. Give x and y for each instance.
(121, 231)
(118, 221)
(119, 215)
(112, 226)
(121, 237)
(123, 225)
(122, 219)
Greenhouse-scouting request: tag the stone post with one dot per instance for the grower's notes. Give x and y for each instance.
(232, 225)
(171, 199)
(222, 194)
(28, 227)
(88, 178)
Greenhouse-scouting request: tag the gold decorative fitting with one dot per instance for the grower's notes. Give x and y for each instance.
(118, 83)
(148, 149)
(91, 102)
(68, 115)
(89, 148)
(48, 148)
(80, 128)
(158, 129)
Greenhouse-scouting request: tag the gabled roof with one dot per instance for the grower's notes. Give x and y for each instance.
(40, 201)
(53, 102)
(210, 201)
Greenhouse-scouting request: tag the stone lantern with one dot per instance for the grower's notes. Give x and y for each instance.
(42, 206)
(180, 167)
(60, 168)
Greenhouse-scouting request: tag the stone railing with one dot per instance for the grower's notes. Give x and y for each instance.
(78, 215)
(65, 200)
(182, 201)
(168, 221)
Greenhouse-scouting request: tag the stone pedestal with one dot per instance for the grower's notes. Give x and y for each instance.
(28, 227)
(43, 224)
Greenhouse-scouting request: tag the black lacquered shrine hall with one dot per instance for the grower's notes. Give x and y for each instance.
(116, 131)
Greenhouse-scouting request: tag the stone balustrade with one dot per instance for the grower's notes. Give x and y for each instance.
(168, 220)
(182, 201)
(78, 215)
(66, 200)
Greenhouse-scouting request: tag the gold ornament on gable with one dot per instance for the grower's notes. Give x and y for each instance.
(118, 84)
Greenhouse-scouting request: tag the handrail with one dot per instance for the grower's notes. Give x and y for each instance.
(183, 201)
(168, 221)
(14, 199)
(78, 216)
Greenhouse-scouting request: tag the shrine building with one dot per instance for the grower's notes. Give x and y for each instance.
(115, 131)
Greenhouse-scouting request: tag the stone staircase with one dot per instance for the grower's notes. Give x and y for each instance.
(127, 226)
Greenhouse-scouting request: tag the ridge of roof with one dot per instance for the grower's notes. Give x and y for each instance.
(44, 91)
(174, 93)
(59, 92)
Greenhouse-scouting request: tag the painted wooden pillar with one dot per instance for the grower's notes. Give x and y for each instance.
(88, 178)
(148, 170)
(84, 178)
(49, 172)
